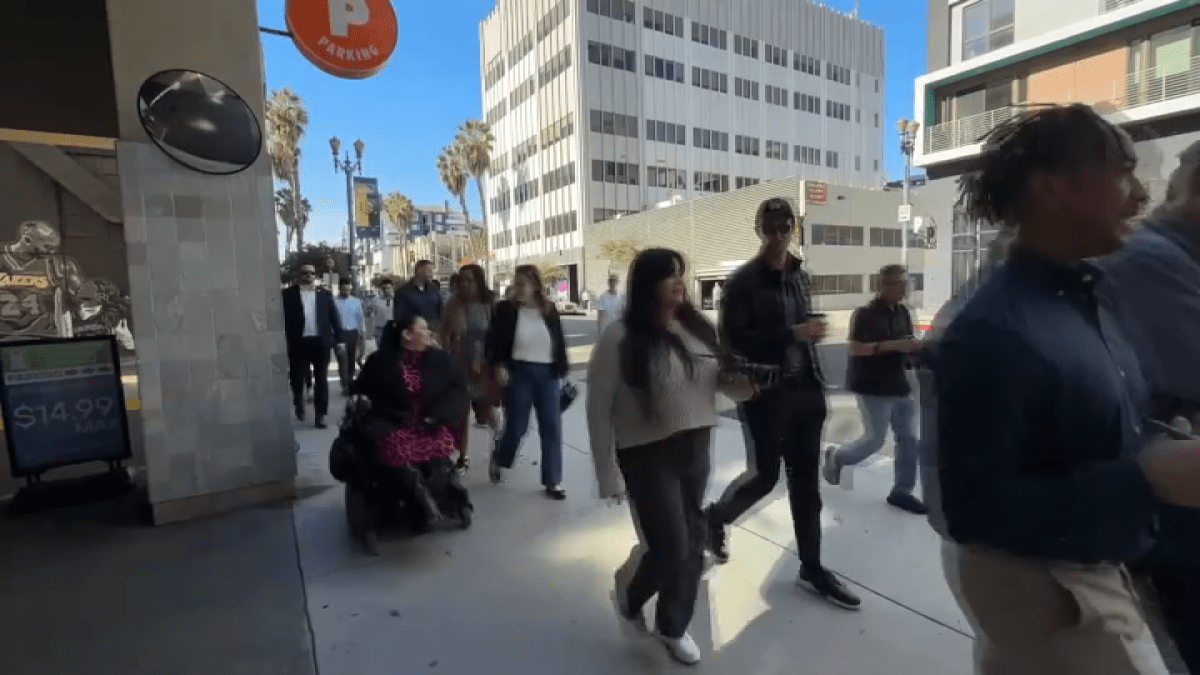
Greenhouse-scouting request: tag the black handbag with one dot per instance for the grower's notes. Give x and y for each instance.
(567, 395)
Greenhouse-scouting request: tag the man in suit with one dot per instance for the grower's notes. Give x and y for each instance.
(311, 327)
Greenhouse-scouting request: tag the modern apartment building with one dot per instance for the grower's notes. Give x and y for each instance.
(603, 108)
(1138, 60)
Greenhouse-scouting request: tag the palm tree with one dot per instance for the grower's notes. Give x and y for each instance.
(453, 173)
(287, 122)
(288, 209)
(476, 141)
(400, 209)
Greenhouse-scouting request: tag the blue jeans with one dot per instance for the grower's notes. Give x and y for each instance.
(879, 412)
(533, 387)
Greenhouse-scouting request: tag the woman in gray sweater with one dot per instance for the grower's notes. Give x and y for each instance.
(652, 386)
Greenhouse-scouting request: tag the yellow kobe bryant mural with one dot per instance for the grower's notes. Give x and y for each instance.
(366, 207)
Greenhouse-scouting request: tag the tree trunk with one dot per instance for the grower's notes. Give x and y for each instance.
(296, 214)
(486, 253)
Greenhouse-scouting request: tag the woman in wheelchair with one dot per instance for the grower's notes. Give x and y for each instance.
(416, 393)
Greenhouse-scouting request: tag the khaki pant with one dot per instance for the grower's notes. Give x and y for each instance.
(1040, 618)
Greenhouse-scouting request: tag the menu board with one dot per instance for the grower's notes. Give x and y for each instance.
(63, 403)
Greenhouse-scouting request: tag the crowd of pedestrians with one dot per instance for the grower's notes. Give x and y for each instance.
(1056, 395)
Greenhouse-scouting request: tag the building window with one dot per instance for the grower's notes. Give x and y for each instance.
(831, 159)
(745, 88)
(710, 140)
(987, 25)
(836, 235)
(776, 150)
(858, 163)
(745, 46)
(710, 80)
(745, 145)
(552, 19)
(524, 150)
(502, 239)
(839, 111)
(666, 132)
(741, 182)
(837, 73)
(557, 65)
(664, 69)
(890, 237)
(562, 224)
(499, 165)
(501, 202)
(807, 103)
(523, 47)
(497, 113)
(621, 10)
(707, 35)
(656, 19)
(558, 178)
(876, 164)
(523, 192)
(807, 155)
(806, 64)
(837, 284)
(495, 71)
(663, 177)
(775, 55)
(620, 173)
(614, 124)
(776, 95)
(522, 93)
(601, 215)
(613, 57)
(916, 282)
(557, 131)
(710, 182)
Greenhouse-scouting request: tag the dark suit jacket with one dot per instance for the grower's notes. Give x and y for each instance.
(328, 322)
(503, 331)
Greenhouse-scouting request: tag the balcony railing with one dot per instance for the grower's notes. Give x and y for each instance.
(1142, 88)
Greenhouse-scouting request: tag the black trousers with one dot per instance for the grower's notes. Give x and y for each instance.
(310, 355)
(666, 481)
(782, 426)
(348, 361)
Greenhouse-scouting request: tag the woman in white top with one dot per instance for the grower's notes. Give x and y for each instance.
(651, 407)
(527, 349)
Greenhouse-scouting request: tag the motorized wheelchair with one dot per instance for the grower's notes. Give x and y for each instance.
(382, 497)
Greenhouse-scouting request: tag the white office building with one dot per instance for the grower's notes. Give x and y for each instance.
(603, 108)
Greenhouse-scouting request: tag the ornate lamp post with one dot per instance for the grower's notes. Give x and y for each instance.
(908, 137)
(349, 167)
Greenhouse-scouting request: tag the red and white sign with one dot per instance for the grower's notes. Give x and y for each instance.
(352, 39)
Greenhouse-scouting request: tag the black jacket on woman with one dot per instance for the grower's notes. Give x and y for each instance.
(443, 391)
(503, 332)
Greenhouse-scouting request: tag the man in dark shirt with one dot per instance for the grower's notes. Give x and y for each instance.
(421, 296)
(1046, 485)
(767, 319)
(881, 340)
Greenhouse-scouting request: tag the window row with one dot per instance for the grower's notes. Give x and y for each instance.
(621, 10)
(501, 202)
(703, 181)
(916, 282)
(562, 224)
(519, 50)
(663, 177)
(553, 18)
(708, 35)
(494, 71)
(775, 55)
(777, 150)
(502, 239)
(529, 232)
(836, 235)
(613, 57)
(556, 131)
(710, 79)
(839, 111)
(741, 182)
(557, 65)
(558, 178)
(776, 95)
(745, 145)
(521, 93)
(497, 113)
(656, 19)
(614, 123)
(745, 88)
(601, 215)
(710, 140)
(524, 150)
(807, 103)
(621, 173)
(837, 284)
(807, 155)
(837, 73)
(665, 69)
(498, 165)
(666, 132)
(523, 192)
(745, 46)
(892, 237)
(806, 64)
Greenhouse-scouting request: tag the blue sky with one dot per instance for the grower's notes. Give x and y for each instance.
(408, 112)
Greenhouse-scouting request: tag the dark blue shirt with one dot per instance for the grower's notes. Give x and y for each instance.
(1040, 410)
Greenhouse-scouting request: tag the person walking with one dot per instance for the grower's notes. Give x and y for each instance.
(421, 296)
(881, 344)
(651, 408)
(767, 319)
(382, 309)
(464, 333)
(1047, 484)
(350, 317)
(311, 328)
(609, 305)
(585, 299)
(1151, 286)
(528, 351)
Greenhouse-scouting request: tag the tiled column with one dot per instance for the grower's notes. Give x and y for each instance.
(204, 280)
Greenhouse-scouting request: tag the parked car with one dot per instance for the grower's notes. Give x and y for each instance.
(565, 306)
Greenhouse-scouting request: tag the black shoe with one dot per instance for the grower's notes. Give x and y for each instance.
(321, 422)
(825, 584)
(906, 502)
(300, 413)
(556, 493)
(718, 537)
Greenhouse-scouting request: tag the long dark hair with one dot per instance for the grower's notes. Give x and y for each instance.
(534, 277)
(647, 339)
(475, 273)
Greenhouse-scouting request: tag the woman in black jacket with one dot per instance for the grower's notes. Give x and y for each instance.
(527, 348)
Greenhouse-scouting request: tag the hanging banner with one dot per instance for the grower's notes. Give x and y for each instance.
(352, 39)
(366, 207)
(815, 193)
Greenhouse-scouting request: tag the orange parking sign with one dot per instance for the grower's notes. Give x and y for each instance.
(352, 39)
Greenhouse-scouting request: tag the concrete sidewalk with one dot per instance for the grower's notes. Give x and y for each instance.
(527, 587)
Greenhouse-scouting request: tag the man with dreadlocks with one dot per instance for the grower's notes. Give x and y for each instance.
(1047, 485)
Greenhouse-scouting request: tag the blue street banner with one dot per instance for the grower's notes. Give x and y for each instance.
(367, 206)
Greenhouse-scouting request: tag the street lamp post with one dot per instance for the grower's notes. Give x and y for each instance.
(349, 167)
(908, 136)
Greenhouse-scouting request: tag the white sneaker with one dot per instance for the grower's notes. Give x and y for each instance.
(682, 649)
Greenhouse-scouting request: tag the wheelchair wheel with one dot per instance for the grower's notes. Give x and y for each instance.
(361, 520)
(465, 517)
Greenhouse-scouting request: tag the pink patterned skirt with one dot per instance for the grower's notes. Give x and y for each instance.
(415, 442)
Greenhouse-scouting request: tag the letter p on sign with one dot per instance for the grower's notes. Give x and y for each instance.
(346, 13)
